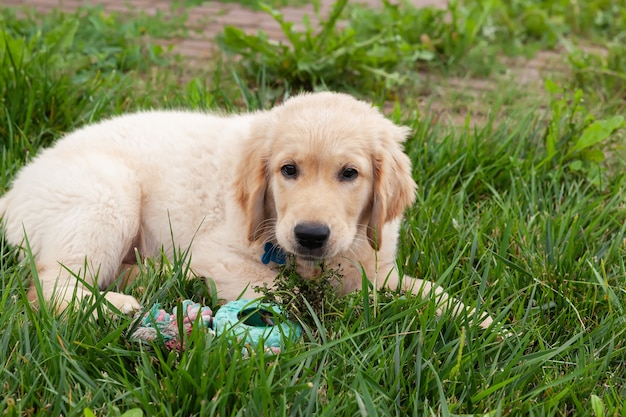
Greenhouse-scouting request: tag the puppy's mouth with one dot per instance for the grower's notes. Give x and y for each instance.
(307, 256)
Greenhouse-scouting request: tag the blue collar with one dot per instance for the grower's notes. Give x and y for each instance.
(273, 253)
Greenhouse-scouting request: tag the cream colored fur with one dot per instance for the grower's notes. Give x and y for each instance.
(216, 183)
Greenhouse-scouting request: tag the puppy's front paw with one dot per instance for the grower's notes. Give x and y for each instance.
(124, 303)
(503, 333)
(486, 322)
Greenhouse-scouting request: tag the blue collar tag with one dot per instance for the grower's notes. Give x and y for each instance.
(273, 253)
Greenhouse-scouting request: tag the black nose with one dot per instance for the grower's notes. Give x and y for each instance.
(312, 235)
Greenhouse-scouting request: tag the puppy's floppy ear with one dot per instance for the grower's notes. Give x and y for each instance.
(394, 187)
(251, 182)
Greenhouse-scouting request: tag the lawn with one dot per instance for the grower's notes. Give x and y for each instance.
(520, 213)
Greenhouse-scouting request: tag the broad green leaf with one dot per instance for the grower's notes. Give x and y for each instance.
(552, 87)
(593, 155)
(576, 165)
(597, 132)
(61, 37)
(597, 406)
(14, 49)
(135, 412)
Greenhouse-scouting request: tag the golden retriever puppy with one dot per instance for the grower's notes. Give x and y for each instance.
(322, 177)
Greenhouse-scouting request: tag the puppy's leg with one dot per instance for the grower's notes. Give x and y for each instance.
(423, 288)
(444, 301)
(85, 221)
(94, 255)
(60, 287)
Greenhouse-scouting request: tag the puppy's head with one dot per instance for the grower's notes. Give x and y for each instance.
(322, 172)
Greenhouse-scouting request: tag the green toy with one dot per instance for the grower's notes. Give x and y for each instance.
(248, 320)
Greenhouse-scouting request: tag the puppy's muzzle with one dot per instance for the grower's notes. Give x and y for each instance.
(312, 237)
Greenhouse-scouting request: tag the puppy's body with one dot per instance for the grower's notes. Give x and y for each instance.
(323, 176)
(132, 182)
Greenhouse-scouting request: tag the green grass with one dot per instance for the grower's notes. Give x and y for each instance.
(520, 213)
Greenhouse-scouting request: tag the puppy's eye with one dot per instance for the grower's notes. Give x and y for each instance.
(289, 171)
(349, 174)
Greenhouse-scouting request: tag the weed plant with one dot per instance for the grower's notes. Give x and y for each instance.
(521, 216)
(362, 49)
